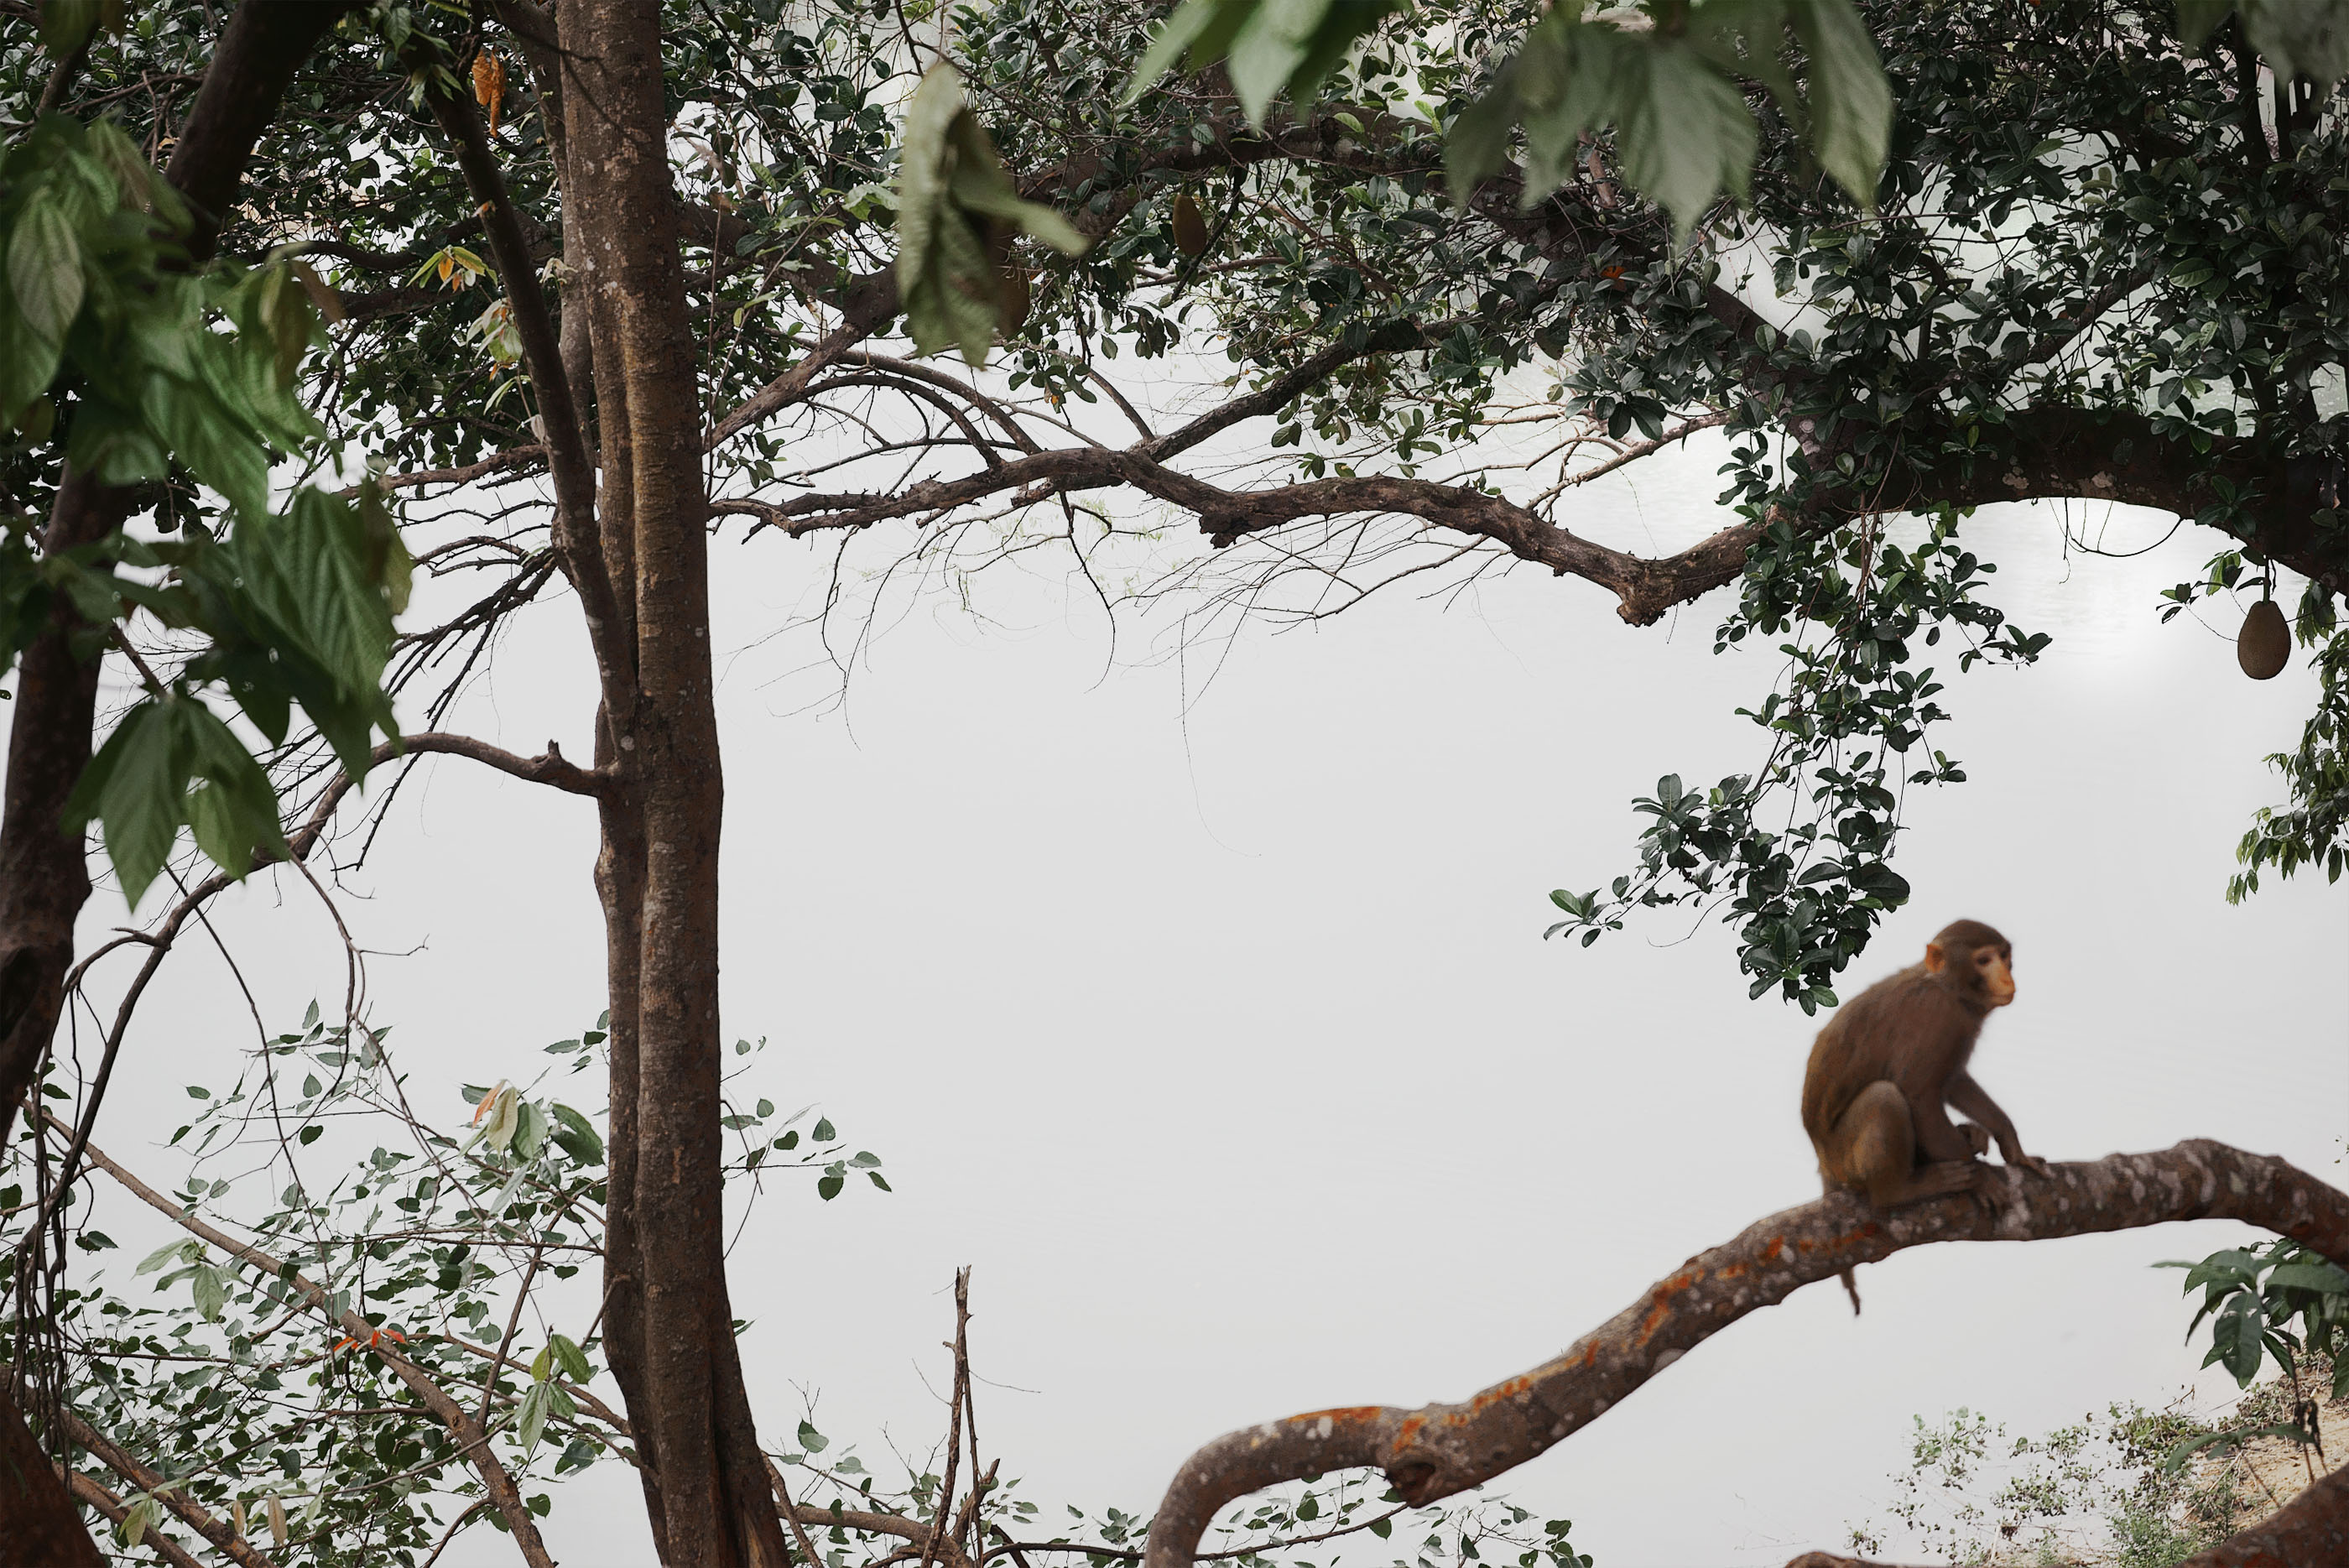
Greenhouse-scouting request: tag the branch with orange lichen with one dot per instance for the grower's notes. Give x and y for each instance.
(1434, 1452)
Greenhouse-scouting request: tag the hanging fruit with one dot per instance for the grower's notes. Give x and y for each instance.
(2264, 644)
(1190, 228)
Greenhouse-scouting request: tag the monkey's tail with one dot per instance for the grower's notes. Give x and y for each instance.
(1850, 1289)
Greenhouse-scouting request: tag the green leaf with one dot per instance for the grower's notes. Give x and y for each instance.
(210, 1290)
(1850, 102)
(2196, 18)
(2329, 1278)
(573, 1359)
(1197, 34)
(533, 1415)
(133, 786)
(2300, 38)
(45, 268)
(66, 25)
(955, 203)
(1684, 132)
(187, 1249)
(234, 810)
(810, 1439)
(828, 1187)
(576, 1136)
(1273, 45)
(1478, 144)
(824, 1132)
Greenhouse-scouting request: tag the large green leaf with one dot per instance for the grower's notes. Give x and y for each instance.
(1683, 130)
(232, 807)
(954, 196)
(1850, 102)
(1684, 136)
(133, 785)
(2304, 38)
(1274, 46)
(45, 264)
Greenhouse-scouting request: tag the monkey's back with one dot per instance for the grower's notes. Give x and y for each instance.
(1866, 1042)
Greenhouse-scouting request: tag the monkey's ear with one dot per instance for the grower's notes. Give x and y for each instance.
(1935, 961)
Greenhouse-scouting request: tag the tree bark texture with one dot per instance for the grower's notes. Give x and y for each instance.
(671, 1334)
(44, 870)
(1433, 1453)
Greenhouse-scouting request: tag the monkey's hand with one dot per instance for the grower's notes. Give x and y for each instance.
(1977, 1136)
(2017, 1160)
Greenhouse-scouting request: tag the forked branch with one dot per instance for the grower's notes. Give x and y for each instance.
(1433, 1453)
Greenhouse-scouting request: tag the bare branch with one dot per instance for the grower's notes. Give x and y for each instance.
(549, 768)
(1442, 1450)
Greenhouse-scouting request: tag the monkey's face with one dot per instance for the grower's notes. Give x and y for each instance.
(1995, 972)
(1985, 973)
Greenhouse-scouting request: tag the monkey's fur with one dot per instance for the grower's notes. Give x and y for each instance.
(1891, 1060)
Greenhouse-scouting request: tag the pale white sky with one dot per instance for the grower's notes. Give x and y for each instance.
(1225, 1046)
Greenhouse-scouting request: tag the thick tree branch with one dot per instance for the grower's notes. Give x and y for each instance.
(86, 1490)
(2093, 454)
(199, 1517)
(1442, 1450)
(1647, 588)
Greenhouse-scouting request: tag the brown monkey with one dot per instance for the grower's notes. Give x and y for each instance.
(1890, 1061)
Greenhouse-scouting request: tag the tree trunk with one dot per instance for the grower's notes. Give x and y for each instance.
(44, 871)
(669, 1326)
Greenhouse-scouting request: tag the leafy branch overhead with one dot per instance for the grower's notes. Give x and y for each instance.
(1665, 77)
(182, 385)
(957, 214)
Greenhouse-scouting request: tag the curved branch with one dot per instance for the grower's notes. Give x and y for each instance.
(86, 1490)
(1647, 588)
(1434, 1452)
(202, 1520)
(549, 768)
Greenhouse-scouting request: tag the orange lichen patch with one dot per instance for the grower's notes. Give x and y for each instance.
(1497, 1393)
(1411, 1427)
(1352, 1415)
(1678, 1284)
(1770, 1254)
(1834, 1244)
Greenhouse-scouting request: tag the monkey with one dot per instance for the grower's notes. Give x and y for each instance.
(1888, 1063)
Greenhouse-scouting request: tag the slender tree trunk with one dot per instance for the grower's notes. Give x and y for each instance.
(44, 870)
(670, 1336)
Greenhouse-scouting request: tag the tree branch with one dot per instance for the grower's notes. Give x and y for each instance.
(200, 1518)
(86, 1490)
(1647, 588)
(470, 1438)
(551, 767)
(1433, 1453)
